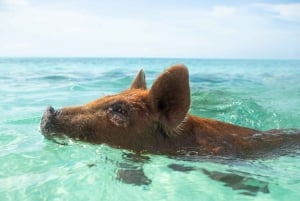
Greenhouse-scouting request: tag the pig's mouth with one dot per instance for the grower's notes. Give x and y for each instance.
(53, 130)
(48, 127)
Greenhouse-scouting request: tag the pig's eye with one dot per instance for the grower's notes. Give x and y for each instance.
(118, 108)
(118, 114)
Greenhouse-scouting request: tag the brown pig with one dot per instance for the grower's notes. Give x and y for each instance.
(157, 121)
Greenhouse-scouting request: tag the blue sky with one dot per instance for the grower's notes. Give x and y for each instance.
(150, 28)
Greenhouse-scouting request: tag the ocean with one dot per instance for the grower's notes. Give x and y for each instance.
(261, 94)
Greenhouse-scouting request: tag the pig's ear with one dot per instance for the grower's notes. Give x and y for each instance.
(170, 96)
(139, 81)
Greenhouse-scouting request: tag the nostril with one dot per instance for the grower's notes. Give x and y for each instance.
(50, 109)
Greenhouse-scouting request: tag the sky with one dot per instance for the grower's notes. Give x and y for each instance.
(150, 28)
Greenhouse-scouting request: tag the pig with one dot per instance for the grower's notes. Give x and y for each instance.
(157, 121)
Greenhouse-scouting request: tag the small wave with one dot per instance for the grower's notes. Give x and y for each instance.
(228, 107)
(54, 78)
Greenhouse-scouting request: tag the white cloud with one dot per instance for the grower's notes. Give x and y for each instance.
(289, 12)
(223, 11)
(16, 2)
(17, 46)
(54, 32)
(217, 31)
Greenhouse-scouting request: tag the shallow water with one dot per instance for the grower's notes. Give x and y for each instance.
(262, 94)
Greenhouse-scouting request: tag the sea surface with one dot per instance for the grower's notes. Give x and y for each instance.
(261, 94)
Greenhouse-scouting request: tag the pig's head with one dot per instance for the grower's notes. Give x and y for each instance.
(135, 118)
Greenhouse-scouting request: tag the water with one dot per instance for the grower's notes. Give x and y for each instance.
(262, 94)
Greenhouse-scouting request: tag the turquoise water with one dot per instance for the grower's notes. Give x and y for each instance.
(262, 94)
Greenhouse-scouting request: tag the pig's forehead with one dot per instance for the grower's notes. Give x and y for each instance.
(130, 96)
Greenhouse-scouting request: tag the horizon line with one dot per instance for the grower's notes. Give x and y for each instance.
(141, 57)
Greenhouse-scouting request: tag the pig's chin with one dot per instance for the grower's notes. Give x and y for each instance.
(61, 139)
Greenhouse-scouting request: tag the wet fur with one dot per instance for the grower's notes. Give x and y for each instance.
(156, 120)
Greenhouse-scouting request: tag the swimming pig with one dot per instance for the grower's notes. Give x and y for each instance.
(156, 120)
